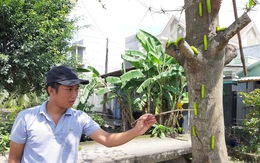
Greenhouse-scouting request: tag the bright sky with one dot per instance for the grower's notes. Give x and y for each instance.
(123, 18)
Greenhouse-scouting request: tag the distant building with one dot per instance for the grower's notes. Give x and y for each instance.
(249, 35)
(92, 52)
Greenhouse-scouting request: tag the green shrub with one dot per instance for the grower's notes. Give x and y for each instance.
(251, 128)
(14, 104)
(162, 131)
(97, 118)
(5, 129)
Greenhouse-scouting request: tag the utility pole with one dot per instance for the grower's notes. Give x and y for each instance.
(239, 40)
(106, 69)
(106, 61)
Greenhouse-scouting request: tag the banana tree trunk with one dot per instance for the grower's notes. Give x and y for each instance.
(127, 117)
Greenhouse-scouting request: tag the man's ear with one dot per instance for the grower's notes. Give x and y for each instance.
(50, 90)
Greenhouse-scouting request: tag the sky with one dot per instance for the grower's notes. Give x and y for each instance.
(123, 18)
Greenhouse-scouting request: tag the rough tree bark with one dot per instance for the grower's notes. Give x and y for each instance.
(206, 69)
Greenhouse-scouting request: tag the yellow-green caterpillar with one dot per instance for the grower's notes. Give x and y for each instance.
(205, 40)
(202, 91)
(178, 41)
(194, 131)
(195, 108)
(194, 50)
(169, 43)
(208, 4)
(218, 29)
(200, 8)
(212, 143)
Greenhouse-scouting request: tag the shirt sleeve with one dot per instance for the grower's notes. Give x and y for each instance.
(90, 125)
(18, 133)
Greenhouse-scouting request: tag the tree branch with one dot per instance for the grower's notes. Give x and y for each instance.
(186, 49)
(239, 24)
(222, 38)
(174, 52)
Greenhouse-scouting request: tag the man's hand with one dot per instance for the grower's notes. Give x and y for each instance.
(144, 123)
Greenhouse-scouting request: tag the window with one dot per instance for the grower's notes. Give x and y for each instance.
(79, 51)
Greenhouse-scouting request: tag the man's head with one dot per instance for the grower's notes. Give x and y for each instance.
(62, 86)
(63, 75)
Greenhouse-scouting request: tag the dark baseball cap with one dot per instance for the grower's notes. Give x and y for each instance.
(64, 75)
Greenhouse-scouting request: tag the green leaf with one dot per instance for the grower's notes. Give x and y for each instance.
(133, 74)
(172, 89)
(145, 84)
(111, 96)
(113, 80)
(148, 41)
(89, 69)
(101, 91)
(162, 135)
(135, 58)
(252, 3)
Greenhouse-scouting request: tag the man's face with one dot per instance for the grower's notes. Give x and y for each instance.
(65, 96)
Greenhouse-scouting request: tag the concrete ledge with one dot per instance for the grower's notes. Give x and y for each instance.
(142, 149)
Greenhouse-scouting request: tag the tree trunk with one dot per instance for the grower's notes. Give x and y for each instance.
(204, 71)
(210, 120)
(127, 117)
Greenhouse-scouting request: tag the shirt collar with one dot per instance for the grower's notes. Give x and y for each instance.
(44, 111)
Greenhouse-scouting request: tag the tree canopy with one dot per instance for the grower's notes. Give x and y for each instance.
(34, 36)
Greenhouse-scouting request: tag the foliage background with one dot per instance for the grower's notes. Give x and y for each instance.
(250, 139)
(34, 35)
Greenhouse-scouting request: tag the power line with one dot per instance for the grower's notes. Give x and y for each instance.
(104, 36)
(154, 10)
(93, 20)
(103, 39)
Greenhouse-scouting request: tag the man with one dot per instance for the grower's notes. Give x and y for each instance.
(51, 132)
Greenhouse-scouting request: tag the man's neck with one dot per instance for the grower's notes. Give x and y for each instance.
(54, 111)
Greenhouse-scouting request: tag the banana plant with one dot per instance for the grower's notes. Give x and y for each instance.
(124, 91)
(88, 90)
(119, 88)
(156, 78)
(164, 77)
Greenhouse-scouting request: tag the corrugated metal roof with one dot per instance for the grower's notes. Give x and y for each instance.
(116, 73)
(248, 79)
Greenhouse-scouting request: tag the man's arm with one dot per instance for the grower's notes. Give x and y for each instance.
(16, 152)
(115, 139)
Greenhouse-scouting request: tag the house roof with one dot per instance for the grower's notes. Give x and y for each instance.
(180, 21)
(248, 61)
(116, 73)
(248, 79)
(256, 64)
